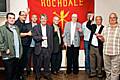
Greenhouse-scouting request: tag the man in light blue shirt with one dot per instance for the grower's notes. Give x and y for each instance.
(86, 33)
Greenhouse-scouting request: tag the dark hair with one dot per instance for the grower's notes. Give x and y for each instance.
(44, 15)
(100, 17)
(9, 14)
(21, 12)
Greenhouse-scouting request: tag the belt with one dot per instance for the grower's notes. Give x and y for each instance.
(44, 47)
(94, 46)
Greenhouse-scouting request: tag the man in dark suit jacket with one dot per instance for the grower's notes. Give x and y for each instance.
(25, 33)
(43, 36)
(56, 56)
(96, 47)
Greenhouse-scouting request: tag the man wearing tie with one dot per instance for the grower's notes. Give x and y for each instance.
(71, 37)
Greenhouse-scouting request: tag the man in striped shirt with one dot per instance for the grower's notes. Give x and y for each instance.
(111, 39)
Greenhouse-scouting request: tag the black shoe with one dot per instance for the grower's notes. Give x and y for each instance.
(54, 72)
(99, 75)
(68, 72)
(59, 72)
(29, 72)
(22, 78)
(92, 75)
(75, 72)
(48, 78)
(87, 71)
(37, 78)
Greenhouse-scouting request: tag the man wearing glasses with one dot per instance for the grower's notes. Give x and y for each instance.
(25, 33)
(111, 48)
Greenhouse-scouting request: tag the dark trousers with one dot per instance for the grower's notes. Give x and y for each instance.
(24, 59)
(30, 58)
(42, 60)
(72, 59)
(56, 59)
(11, 69)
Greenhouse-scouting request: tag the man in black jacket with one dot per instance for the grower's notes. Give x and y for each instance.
(96, 47)
(56, 56)
(43, 36)
(25, 33)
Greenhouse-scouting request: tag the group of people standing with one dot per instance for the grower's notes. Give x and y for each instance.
(20, 40)
(102, 47)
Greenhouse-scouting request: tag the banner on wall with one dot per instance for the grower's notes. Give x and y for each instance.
(61, 8)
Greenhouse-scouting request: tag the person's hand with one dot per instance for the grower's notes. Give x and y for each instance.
(29, 33)
(8, 51)
(80, 30)
(91, 17)
(28, 10)
(99, 36)
(65, 44)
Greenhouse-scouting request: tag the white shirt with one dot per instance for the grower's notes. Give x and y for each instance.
(44, 42)
(33, 24)
(94, 39)
(86, 31)
(73, 27)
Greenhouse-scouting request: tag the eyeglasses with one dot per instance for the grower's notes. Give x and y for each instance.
(112, 17)
(23, 15)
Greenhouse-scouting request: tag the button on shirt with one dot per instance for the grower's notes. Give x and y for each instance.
(94, 39)
(44, 42)
(112, 40)
(73, 27)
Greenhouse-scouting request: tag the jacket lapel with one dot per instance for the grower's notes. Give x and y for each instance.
(101, 28)
(47, 30)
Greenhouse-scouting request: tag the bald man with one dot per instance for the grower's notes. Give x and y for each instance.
(72, 33)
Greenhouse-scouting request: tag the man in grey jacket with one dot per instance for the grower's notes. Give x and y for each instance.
(10, 47)
(71, 38)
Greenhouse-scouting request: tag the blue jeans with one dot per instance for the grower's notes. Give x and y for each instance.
(87, 57)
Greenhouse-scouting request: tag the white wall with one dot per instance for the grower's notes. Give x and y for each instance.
(18, 5)
(102, 7)
(105, 7)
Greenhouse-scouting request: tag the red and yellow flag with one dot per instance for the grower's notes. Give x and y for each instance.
(61, 8)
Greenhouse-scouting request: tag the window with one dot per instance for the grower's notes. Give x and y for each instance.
(4, 7)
